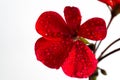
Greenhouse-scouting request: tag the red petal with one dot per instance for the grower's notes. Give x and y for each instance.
(52, 53)
(51, 26)
(81, 62)
(108, 2)
(94, 29)
(117, 1)
(73, 17)
(112, 3)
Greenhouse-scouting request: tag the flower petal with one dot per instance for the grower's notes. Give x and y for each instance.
(94, 29)
(51, 26)
(108, 2)
(117, 1)
(52, 53)
(73, 17)
(81, 62)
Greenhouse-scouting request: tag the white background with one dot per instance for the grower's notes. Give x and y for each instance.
(18, 36)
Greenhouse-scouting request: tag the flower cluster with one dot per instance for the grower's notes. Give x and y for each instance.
(65, 41)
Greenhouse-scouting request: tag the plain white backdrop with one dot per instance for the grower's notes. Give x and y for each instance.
(18, 36)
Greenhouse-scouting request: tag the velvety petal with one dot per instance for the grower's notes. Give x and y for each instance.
(112, 3)
(94, 29)
(52, 53)
(73, 17)
(108, 2)
(117, 1)
(81, 62)
(52, 26)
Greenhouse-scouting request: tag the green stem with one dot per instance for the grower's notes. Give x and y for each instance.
(94, 75)
(108, 54)
(108, 47)
(93, 78)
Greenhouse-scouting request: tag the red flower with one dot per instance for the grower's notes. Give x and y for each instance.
(114, 4)
(61, 45)
(111, 3)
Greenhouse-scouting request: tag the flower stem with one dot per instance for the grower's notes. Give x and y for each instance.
(108, 47)
(108, 54)
(95, 47)
(94, 75)
(109, 8)
(110, 22)
(92, 78)
(102, 40)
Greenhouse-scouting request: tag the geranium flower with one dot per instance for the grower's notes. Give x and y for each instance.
(62, 44)
(111, 3)
(114, 4)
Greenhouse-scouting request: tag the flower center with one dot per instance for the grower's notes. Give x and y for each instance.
(80, 39)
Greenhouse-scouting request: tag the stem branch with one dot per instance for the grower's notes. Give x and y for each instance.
(109, 47)
(108, 54)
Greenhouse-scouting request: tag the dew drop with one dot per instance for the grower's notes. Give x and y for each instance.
(46, 34)
(48, 53)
